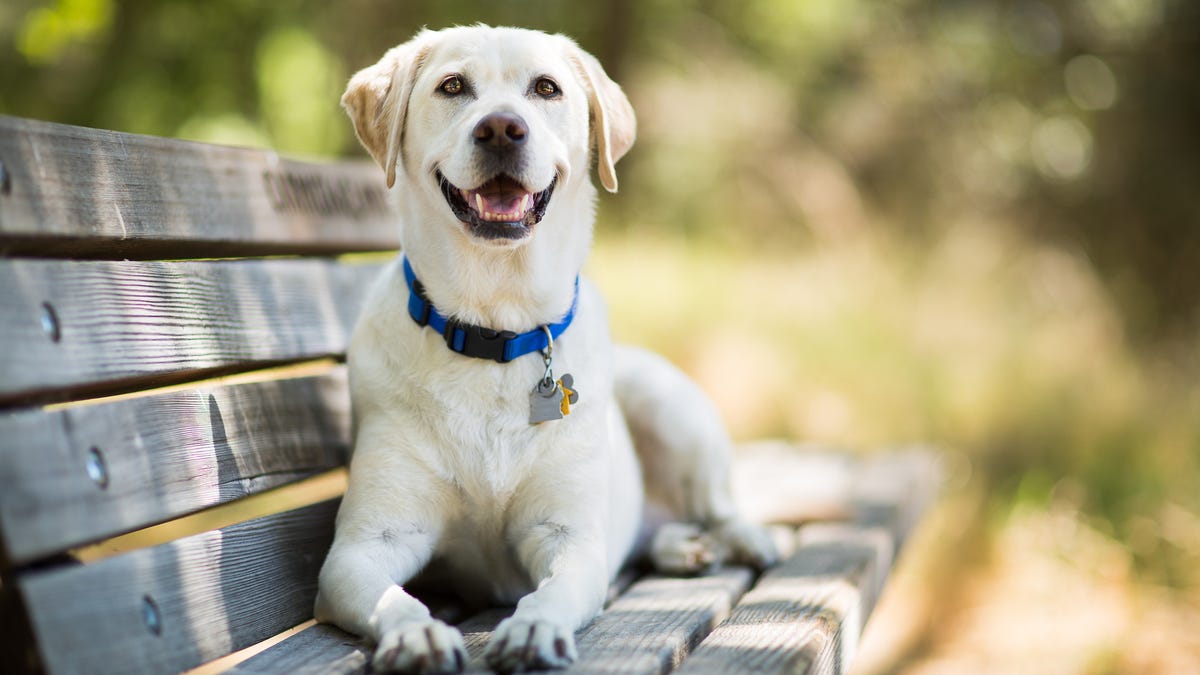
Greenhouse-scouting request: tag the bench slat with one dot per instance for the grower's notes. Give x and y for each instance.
(649, 628)
(76, 328)
(806, 615)
(72, 191)
(317, 650)
(327, 650)
(77, 475)
(654, 625)
(178, 605)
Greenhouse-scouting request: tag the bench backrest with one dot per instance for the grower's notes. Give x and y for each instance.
(173, 321)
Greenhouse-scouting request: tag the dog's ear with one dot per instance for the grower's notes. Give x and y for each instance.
(614, 126)
(376, 100)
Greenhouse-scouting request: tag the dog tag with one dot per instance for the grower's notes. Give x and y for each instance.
(545, 402)
(552, 400)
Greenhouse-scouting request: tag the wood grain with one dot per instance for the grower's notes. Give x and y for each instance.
(318, 650)
(649, 628)
(176, 606)
(655, 625)
(84, 328)
(327, 650)
(81, 474)
(806, 615)
(80, 192)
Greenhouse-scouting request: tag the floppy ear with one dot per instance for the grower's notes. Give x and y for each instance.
(377, 99)
(614, 126)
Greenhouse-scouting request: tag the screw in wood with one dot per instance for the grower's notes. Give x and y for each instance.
(150, 615)
(97, 468)
(50, 324)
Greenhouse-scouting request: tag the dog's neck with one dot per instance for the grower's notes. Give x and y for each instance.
(514, 289)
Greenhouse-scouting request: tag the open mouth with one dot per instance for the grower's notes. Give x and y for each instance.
(501, 208)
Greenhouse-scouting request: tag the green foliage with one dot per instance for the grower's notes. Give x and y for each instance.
(46, 31)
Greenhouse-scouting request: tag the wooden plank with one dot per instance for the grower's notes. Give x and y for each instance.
(650, 628)
(318, 650)
(71, 191)
(84, 473)
(80, 328)
(178, 605)
(655, 625)
(805, 615)
(327, 650)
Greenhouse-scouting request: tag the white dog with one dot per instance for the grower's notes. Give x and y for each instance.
(461, 463)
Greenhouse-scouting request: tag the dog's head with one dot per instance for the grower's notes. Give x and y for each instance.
(491, 123)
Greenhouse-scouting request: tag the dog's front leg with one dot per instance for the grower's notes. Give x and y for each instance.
(561, 545)
(387, 531)
(361, 592)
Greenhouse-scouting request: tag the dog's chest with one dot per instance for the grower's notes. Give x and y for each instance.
(479, 418)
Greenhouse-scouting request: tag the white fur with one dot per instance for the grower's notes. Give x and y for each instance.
(446, 466)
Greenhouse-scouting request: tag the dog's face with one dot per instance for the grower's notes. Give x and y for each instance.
(488, 124)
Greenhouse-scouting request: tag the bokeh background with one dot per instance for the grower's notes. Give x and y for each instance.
(861, 223)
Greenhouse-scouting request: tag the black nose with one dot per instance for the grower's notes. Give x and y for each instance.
(501, 130)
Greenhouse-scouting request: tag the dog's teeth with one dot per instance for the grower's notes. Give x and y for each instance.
(526, 202)
(479, 203)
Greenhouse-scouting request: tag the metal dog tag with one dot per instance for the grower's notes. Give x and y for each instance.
(545, 402)
(552, 400)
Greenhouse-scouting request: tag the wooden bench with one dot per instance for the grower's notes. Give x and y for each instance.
(174, 430)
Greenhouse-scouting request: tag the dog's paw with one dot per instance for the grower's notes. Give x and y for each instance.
(684, 548)
(422, 647)
(748, 544)
(520, 644)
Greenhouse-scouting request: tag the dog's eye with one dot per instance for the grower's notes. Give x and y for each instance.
(452, 85)
(546, 88)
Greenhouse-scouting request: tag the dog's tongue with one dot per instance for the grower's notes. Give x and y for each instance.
(501, 200)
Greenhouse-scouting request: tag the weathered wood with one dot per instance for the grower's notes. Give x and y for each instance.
(71, 191)
(806, 615)
(654, 625)
(74, 328)
(327, 650)
(650, 628)
(178, 605)
(77, 475)
(318, 650)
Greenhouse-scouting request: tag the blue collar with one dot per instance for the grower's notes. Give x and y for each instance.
(478, 342)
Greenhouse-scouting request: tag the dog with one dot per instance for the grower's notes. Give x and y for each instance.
(500, 439)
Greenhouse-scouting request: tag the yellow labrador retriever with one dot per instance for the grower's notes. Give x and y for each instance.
(500, 438)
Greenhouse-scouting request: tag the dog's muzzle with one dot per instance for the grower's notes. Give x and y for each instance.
(501, 207)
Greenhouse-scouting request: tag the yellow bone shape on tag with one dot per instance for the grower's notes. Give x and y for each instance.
(569, 395)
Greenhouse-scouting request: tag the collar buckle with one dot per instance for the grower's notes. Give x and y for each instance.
(477, 341)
